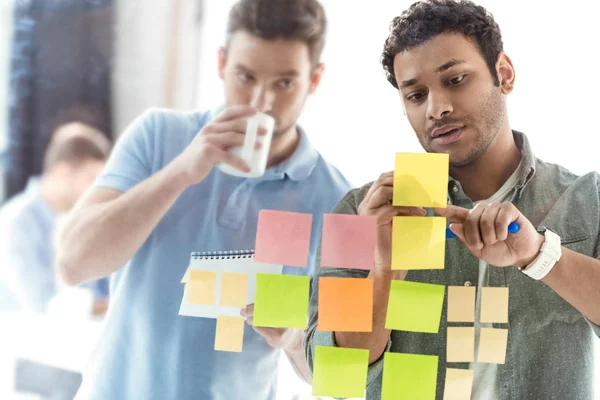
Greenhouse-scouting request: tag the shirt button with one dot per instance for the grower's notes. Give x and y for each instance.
(455, 188)
(468, 283)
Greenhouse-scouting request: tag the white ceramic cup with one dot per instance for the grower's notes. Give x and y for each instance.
(256, 159)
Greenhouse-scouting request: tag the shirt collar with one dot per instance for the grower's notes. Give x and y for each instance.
(527, 162)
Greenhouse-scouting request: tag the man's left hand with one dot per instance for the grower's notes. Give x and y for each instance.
(279, 338)
(484, 231)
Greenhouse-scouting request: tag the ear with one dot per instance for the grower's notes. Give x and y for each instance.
(506, 73)
(222, 60)
(315, 78)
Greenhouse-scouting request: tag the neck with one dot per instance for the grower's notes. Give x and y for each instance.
(53, 195)
(482, 178)
(283, 146)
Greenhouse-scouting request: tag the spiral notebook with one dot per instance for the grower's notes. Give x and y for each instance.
(241, 261)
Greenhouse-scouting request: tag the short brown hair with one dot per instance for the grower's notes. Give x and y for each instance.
(302, 20)
(76, 143)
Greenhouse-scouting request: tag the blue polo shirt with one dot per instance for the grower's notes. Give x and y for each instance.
(148, 351)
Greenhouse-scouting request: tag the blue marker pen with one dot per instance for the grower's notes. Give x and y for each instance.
(513, 227)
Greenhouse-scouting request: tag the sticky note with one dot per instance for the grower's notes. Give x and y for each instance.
(492, 345)
(461, 303)
(229, 335)
(418, 243)
(281, 301)
(345, 304)
(202, 287)
(421, 180)
(494, 304)
(459, 383)
(234, 289)
(409, 376)
(283, 238)
(348, 241)
(340, 372)
(460, 344)
(415, 307)
(186, 276)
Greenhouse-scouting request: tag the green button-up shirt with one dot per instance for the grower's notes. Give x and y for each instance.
(550, 347)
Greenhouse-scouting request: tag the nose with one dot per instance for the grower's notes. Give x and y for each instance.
(438, 106)
(262, 98)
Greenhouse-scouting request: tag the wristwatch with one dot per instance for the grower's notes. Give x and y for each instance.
(550, 253)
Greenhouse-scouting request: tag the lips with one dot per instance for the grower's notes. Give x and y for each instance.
(444, 130)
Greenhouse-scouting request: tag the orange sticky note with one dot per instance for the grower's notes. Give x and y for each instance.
(492, 345)
(460, 344)
(494, 304)
(229, 335)
(283, 238)
(345, 304)
(202, 287)
(459, 384)
(234, 289)
(348, 241)
(461, 303)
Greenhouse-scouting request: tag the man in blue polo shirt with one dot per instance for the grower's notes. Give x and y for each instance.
(161, 197)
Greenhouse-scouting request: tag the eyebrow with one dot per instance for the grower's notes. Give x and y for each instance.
(441, 68)
(290, 72)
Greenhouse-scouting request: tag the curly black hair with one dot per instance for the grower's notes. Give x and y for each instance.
(426, 19)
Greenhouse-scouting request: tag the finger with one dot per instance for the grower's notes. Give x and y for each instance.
(508, 213)
(250, 321)
(235, 125)
(487, 224)
(471, 227)
(453, 213)
(236, 111)
(229, 159)
(380, 197)
(387, 179)
(458, 230)
(225, 140)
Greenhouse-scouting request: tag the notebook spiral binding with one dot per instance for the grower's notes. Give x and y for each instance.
(223, 255)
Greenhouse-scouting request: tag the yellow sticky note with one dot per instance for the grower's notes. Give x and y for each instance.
(229, 335)
(461, 303)
(492, 345)
(418, 242)
(494, 304)
(415, 306)
(421, 180)
(459, 383)
(340, 372)
(281, 301)
(234, 289)
(202, 287)
(460, 344)
(409, 376)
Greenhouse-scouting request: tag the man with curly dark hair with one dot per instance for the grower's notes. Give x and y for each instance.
(447, 61)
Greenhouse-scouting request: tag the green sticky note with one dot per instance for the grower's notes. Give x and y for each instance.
(340, 372)
(415, 307)
(281, 301)
(409, 376)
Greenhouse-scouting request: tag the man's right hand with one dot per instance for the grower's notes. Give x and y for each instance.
(378, 203)
(210, 145)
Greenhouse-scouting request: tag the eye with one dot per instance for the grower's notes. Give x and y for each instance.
(245, 77)
(414, 97)
(285, 83)
(458, 79)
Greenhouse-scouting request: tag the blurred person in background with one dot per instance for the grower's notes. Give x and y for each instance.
(28, 222)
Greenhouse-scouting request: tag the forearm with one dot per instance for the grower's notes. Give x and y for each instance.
(375, 341)
(99, 239)
(576, 278)
(295, 354)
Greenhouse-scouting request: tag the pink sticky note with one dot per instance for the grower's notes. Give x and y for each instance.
(283, 238)
(348, 241)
